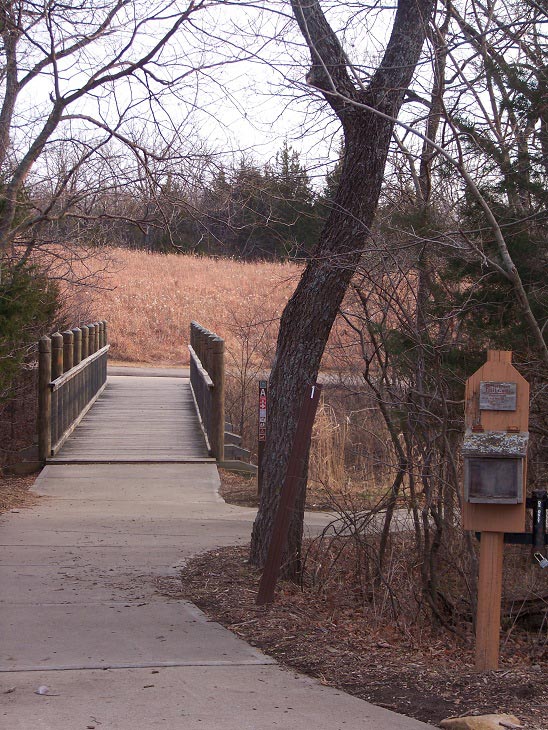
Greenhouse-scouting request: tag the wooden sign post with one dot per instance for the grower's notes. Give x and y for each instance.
(495, 444)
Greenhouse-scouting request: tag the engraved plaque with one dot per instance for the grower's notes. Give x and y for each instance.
(498, 396)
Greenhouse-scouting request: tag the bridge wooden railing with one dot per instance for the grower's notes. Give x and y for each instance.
(72, 373)
(207, 380)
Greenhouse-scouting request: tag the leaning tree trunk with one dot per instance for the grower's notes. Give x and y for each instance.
(309, 315)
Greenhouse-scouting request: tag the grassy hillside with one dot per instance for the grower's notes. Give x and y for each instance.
(149, 301)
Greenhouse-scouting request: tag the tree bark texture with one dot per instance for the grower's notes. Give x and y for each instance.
(309, 315)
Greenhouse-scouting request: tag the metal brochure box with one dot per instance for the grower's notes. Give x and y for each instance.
(495, 444)
(494, 467)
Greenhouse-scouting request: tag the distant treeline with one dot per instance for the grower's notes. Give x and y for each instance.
(244, 210)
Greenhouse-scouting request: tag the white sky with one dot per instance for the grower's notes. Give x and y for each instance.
(249, 106)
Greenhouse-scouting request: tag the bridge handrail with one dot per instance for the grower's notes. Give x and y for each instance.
(207, 382)
(196, 363)
(62, 379)
(72, 373)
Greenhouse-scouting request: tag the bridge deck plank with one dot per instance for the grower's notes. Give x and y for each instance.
(138, 419)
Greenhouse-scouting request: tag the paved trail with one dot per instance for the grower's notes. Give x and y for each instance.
(79, 612)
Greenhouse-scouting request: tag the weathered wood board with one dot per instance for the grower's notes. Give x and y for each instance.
(138, 419)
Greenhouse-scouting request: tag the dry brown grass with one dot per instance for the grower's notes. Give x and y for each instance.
(149, 300)
(15, 494)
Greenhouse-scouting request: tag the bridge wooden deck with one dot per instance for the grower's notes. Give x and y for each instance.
(138, 420)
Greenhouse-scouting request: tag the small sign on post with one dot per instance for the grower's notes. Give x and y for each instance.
(494, 498)
(261, 431)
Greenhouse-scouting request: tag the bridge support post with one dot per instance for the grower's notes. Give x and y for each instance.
(44, 398)
(217, 372)
(68, 363)
(85, 332)
(78, 398)
(57, 355)
(77, 351)
(56, 372)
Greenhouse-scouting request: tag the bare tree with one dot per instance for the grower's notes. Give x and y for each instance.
(309, 315)
(80, 82)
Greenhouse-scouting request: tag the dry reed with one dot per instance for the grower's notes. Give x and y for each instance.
(149, 300)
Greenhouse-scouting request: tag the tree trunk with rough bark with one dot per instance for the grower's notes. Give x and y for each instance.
(309, 315)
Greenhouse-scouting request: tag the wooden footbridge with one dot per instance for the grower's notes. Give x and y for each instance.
(86, 419)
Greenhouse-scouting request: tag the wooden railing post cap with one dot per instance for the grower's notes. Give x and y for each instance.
(499, 356)
(56, 338)
(67, 334)
(44, 344)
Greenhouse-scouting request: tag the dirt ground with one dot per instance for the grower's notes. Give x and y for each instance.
(14, 492)
(241, 489)
(420, 673)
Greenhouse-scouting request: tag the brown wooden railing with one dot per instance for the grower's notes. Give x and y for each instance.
(207, 380)
(72, 373)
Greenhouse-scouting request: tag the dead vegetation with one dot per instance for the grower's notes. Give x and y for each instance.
(149, 300)
(15, 494)
(241, 489)
(407, 666)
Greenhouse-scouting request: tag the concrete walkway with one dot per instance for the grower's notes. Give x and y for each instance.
(79, 614)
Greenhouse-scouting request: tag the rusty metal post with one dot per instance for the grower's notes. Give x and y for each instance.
(288, 496)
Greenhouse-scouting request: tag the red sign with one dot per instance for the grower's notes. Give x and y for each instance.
(263, 390)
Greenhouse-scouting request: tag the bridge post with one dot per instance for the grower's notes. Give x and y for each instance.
(77, 395)
(91, 339)
(68, 363)
(77, 351)
(105, 343)
(68, 350)
(85, 353)
(216, 369)
(57, 355)
(56, 372)
(85, 334)
(44, 398)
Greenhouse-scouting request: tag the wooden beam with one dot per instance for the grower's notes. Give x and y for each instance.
(489, 599)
